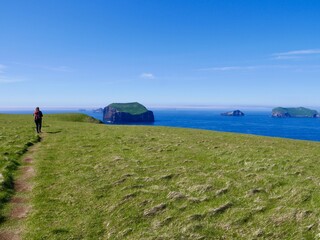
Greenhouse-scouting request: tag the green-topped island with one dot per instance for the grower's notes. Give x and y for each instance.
(120, 113)
(301, 112)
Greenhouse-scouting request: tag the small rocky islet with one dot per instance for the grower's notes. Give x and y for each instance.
(283, 112)
(235, 113)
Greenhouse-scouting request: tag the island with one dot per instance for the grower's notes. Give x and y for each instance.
(122, 113)
(98, 110)
(298, 112)
(235, 113)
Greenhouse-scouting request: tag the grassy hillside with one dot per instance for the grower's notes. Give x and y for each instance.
(16, 135)
(72, 117)
(132, 108)
(99, 181)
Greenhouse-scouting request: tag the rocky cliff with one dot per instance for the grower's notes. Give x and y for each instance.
(127, 113)
(301, 112)
(236, 113)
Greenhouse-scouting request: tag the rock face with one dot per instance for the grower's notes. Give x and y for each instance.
(299, 112)
(127, 113)
(235, 113)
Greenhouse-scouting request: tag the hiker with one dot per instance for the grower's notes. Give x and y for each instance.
(38, 119)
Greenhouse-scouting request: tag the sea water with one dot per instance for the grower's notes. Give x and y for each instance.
(254, 122)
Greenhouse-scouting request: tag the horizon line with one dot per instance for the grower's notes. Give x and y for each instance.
(160, 106)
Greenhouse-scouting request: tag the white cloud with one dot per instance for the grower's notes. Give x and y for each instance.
(45, 67)
(57, 69)
(247, 68)
(301, 52)
(229, 68)
(147, 76)
(4, 80)
(286, 57)
(295, 54)
(2, 68)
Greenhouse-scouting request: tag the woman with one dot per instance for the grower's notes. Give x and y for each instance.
(38, 119)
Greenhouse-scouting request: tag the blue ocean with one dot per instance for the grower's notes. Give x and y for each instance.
(254, 122)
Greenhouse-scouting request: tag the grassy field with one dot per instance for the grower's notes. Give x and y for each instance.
(134, 182)
(16, 135)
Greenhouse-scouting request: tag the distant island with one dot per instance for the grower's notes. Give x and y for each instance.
(127, 113)
(98, 110)
(235, 113)
(299, 112)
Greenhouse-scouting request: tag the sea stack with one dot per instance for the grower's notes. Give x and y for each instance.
(235, 113)
(122, 113)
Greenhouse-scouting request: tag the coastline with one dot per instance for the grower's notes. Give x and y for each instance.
(255, 122)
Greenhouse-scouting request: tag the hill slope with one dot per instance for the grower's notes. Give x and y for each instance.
(126, 182)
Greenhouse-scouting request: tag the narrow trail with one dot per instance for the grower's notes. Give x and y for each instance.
(19, 205)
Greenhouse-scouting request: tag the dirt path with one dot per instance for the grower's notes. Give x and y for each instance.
(19, 206)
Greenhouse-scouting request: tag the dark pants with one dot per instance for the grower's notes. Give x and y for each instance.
(38, 125)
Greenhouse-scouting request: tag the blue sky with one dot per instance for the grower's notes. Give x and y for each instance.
(161, 53)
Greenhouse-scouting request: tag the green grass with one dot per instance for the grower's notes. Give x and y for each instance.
(97, 181)
(17, 133)
(132, 108)
(73, 117)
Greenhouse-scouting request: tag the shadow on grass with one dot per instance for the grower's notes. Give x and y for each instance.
(54, 132)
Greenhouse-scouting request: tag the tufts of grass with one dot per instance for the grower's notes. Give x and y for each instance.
(17, 134)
